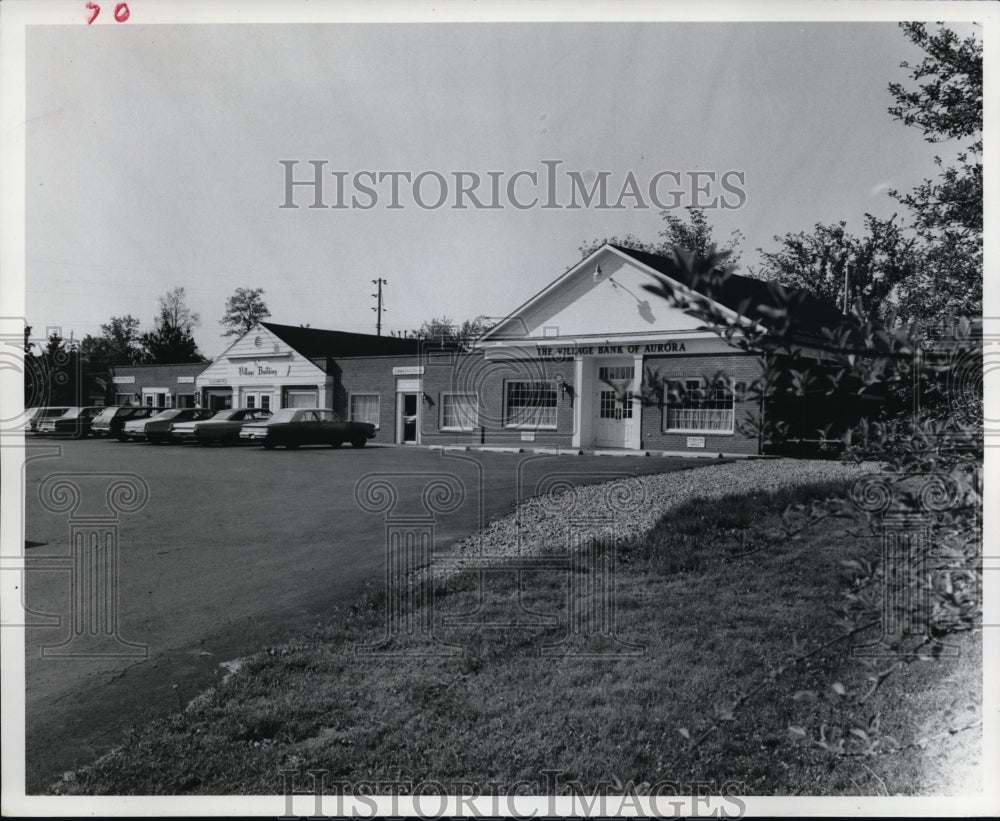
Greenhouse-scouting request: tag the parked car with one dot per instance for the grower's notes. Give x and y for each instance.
(44, 413)
(292, 427)
(156, 429)
(223, 428)
(112, 421)
(75, 422)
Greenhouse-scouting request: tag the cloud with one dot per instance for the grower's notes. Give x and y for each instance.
(879, 189)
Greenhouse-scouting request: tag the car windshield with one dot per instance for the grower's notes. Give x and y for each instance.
(72, 413)
(284, 415)
(222, 415)
(167, 414)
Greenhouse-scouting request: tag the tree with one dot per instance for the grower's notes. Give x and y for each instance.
(58, 372)
(947, 105)
(171, 340)
(694, 235)
(444, 330)
(118, 343)
(244, 309)
(898, 606)
(876, 267)
(175, 313)
(168, 344)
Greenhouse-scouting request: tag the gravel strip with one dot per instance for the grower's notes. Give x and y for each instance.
(626, 508)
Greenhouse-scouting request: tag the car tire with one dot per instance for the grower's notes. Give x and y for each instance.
(291, 445)
(358, 443)
(269, 446)
(336, 443)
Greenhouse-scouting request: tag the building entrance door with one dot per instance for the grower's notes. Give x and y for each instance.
(613, 411)
(408, 394)
(257, 399)
(407, 412)
(218, 398)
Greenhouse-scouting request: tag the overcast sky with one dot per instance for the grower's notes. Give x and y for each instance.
(153, 155)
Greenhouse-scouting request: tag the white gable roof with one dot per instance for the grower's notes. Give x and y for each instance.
(603, 295)
(256, 349)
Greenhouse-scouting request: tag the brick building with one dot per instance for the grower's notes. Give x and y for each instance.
(162, 386)
(593, 361)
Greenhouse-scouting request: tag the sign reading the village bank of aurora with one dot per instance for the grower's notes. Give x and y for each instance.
(606, 350)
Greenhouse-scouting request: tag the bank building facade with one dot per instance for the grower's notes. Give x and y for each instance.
(592, 362)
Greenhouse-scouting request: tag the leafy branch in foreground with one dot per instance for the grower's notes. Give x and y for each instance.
(923, 503)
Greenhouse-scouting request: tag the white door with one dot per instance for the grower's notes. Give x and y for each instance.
(257, 399)
(613, 401)
(408, 395)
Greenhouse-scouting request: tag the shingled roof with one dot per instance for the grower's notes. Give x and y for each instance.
(316, 343)
(752, 297)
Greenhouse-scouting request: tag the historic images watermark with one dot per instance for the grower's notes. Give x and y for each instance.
(324, 797)
(314, 185)
(94, 503)
(584, 559)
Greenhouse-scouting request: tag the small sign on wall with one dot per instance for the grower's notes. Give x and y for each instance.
(528, 436)
(696, 441)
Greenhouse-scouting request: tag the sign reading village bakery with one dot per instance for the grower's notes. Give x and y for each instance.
(261, 369)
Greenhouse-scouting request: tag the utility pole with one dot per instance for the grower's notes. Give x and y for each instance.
(378, 324)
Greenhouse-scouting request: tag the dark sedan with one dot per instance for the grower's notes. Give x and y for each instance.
(223, 428)
(111, 421)
(292, 427)
(38, 415)
(156, 429)
(75, 422)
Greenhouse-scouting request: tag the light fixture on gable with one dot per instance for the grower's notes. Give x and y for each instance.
(598, 273)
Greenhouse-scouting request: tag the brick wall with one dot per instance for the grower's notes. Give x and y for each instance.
(158, 376)
(370, 374)
(475, 374)
(741, 367)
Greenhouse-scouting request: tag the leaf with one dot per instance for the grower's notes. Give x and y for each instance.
(684, 732)
(838, 688)
(805, 695)
(860, 734)
(796, 732)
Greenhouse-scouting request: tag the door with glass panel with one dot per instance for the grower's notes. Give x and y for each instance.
(613, 411)
(257, 399)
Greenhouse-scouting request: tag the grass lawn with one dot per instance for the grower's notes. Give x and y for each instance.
(713, 598)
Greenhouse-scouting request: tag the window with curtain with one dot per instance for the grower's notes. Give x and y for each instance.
(459, 411)
(693, 406)
(530, 404)
(365, 408)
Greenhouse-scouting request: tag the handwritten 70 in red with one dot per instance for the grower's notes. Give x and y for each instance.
(121, 12)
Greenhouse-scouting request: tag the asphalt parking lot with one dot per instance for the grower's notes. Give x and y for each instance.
(233, 549)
